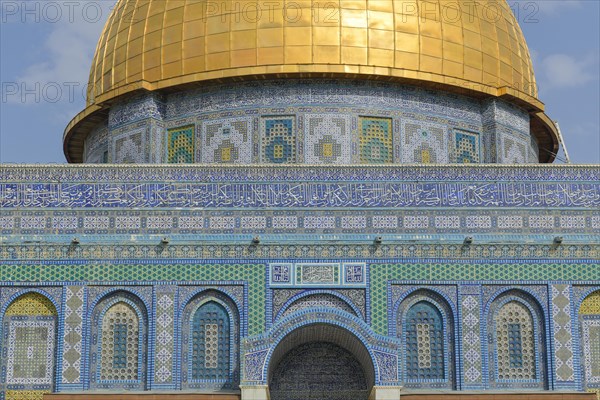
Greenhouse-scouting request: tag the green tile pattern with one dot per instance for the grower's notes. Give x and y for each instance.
(254, 274)
(382, 273)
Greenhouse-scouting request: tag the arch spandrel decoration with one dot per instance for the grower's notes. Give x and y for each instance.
(318, 299)
(210, 337)
(258, 351)
(29, 331)
(517, 348)
(118, 343)
(589, 323)
(426, 327)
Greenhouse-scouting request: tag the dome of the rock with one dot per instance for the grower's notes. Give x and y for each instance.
(475, 50)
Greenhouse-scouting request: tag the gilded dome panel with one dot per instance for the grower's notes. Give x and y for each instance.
(154, 44)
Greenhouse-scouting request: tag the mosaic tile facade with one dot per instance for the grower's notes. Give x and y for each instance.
(317, 138)
(425, 324)
(210, 338)
(181, 145)
(227, 141)
(210, 343)
(73, 330)
(376, 140)
(589, 323)
(563, 337)
(517, 353)
(28, 346)
(318, 262)
(424, 143)
(471, 338)
(467, 147)
(164, 358)
(516, 342)
(130, 148)
(318, 301)
(278, 140)
(330, 139)
(118, 342)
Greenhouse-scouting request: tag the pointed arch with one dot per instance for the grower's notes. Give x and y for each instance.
(589, 337)
(29, 332)
(118, 344)
(210, 338)
(426, 328)
(318, 298)
(517, 349)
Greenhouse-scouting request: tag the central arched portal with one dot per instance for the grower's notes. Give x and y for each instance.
(321, 362)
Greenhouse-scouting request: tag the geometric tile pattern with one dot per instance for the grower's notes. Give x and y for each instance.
(302, 99)
(591, 351)
(513, 149)
(328, 139)
(589, 317)
(563, 339)
(210, 343)
(119, 349)
(129, 148)
(425, 324)
(320, 301)
(165, 335)
(30, 358)
(28, 346)
(376, 141)
(74, 300)
(424, 143)
(591, 304)
(471, 326)
(425, 342)
(118, 342)
(227, 141)
(516, 349)
(466, 147)
(32, 304)
(208, 221)
(278, 140)
(180, 145)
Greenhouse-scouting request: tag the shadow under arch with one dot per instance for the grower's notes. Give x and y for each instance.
(317, 355)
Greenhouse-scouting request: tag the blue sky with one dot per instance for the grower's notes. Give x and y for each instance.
(46, 48)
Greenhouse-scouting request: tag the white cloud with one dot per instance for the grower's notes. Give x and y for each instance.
(565, 71)
(67, 54)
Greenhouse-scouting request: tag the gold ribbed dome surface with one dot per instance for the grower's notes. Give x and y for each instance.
(153, 44)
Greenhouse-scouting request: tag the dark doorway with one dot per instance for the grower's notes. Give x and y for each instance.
(319, 371)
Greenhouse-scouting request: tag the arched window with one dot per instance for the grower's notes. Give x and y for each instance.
(28, 347)
(210, 342)
(424, 342)
(120, 343)
(516, 342)
(425, 323)
(589, 322)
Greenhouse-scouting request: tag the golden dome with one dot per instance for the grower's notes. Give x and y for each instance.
(473, 47)
(154, 44)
